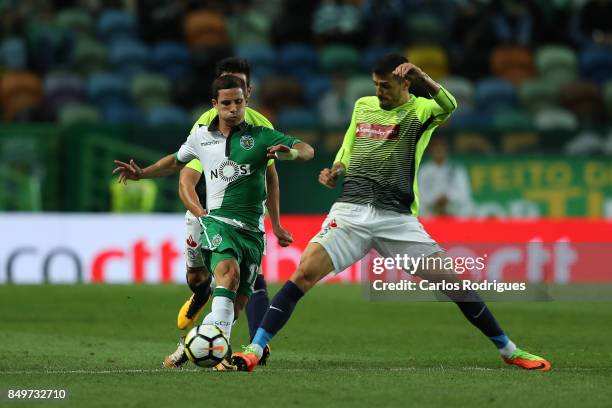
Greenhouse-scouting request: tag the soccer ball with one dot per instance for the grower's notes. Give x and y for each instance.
(205, 345)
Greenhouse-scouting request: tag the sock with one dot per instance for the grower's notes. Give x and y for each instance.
(222, 310)
(258, 305)
(476, 311)
(278, 313)
(201, 293)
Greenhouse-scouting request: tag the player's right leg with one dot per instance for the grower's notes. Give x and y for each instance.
(227, 277)
(326, 253)
(198, 276)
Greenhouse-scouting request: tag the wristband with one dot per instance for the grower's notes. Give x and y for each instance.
(292, 154)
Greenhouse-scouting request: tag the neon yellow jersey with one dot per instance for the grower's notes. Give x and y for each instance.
(251, 116)
(382, 150)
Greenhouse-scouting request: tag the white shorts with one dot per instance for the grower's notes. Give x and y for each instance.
(350, 231)
(193, 250)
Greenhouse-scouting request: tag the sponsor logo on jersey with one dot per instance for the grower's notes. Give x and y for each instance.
(247, 142)
(191, 242)
(378, 131)
(229, 171)
(216, 240)
(213, 142)
(331, 224)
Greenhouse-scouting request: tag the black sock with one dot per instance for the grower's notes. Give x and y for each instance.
(258, 305)
(201, 292)
(278, 313)
(476, 311)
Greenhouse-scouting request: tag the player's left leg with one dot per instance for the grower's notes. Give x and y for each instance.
(477, 312)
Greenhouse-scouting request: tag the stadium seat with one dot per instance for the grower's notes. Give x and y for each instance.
(171, 59)
(166, 115)
(298, 60)
(78, 114)
(513, 64)
(359, 86)
(262, 59)
(314, 86)
(596, 64)
(370, 56)
(13, 54)
(106, 89)
(205, 29)
(553, 58)
(339, 59)
(607, 94)
(150, 90)
(117, 25)
(511, 120)
(250, 27)
(520, 142)
(537, 94)
(203, 60)
(129, 57)
(472, 142)
(555, 119)
(425, 28)
(462, 89)
(465, 119)
(19, 91)
(296, 118)
(90, 56)
(76, 21)
(492, 95)
(121, 113)
(431, 59)
(61, 88)
(584, 99)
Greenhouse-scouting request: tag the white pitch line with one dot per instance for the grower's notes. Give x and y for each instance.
(273, 370)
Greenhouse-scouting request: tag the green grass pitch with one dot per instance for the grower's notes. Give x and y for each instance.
(104, 345)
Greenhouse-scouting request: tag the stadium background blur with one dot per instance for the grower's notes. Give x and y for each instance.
(83, 82)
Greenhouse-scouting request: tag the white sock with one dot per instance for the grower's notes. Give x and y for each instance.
(508, 349)
(221, 315)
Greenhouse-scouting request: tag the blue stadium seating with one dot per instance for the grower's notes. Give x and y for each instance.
(62, 88)
(262, 59)
(171, 59)
(298, 60)
(370, 55)
(297, 118)
(129, 57)
(116, 25)
(106, 89)
(121, 113)
(596, 64)
(166, 115)
(493, 95)
(13, 53)
(314, 86)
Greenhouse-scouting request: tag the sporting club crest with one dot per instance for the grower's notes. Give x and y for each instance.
(247, 142)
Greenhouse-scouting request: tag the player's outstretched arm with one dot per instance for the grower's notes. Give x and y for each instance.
(300, 152)
(188, 180)
(131, 171)
(328, 177)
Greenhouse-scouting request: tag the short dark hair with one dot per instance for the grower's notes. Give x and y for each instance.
(234, 65)
(227, 82)
(385, 65)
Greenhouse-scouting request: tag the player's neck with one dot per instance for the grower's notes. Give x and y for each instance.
(226, 129)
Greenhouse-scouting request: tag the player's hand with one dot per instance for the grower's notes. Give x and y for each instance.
(409, 71)
(278, 148)
(284, 237)
(328, 177)
(127, 171)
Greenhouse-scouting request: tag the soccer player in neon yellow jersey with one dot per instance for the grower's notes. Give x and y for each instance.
(379, 157)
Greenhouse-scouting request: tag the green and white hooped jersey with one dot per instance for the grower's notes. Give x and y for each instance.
(234, 169)
(382, 150)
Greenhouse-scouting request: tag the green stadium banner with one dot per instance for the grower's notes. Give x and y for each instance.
(551, 186)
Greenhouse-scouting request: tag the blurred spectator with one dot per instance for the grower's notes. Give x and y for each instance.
(335, 107)
(294, 23)
(160, 19)
(444, 187)
(593, 24)
(517, 21)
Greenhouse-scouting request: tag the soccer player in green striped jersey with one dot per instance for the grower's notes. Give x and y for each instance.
(380, 155)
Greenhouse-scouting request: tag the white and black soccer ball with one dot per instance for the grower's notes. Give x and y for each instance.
(205, 345)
